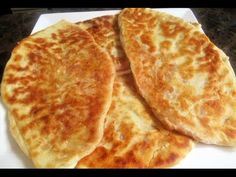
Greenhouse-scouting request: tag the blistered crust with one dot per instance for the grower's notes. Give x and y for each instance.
(184, 77)
(132, 138)
(57, 87)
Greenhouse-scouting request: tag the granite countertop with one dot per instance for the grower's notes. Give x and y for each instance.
(218, 24)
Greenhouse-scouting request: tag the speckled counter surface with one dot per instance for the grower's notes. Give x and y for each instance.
(218, 24)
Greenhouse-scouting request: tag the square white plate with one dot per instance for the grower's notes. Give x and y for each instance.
(202, 156)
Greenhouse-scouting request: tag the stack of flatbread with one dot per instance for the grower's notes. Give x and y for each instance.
(133, 90)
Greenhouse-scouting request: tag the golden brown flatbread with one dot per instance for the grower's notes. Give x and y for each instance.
(57, 87)
(183, 76)
(105, 32)
(132, 139)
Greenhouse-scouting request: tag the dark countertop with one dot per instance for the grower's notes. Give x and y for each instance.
(218, 24)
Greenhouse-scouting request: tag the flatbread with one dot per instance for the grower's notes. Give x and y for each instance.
(57, 87)
(183, 76)
(104, 31)
(132, 138)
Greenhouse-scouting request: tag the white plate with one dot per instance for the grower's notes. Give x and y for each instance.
(46, 20)
(202, 156)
